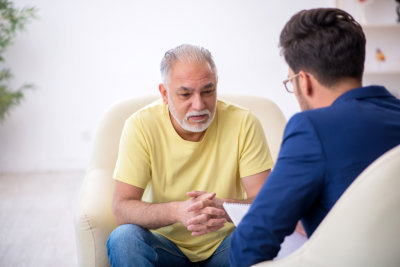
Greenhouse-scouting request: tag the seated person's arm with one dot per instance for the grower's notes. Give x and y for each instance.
(128, 208)
(252, 185)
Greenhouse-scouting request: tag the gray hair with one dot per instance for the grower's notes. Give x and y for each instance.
(184, 53)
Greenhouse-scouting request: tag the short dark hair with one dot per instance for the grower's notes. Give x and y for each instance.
(326, 42)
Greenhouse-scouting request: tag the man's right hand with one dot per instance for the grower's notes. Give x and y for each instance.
(202, 215)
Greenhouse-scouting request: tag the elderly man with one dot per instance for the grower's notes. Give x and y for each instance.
(194, 152)
(342, 129)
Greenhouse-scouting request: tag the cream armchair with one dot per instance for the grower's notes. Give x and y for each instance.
(363, 228)
(94, 220)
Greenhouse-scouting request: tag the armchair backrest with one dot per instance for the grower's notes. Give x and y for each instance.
(105, 146)
(106, 141)
(94, 220)
(269, 115)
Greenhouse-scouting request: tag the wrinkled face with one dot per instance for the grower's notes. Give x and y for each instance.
(192, 96)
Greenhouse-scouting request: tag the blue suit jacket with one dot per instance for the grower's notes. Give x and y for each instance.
(322, 152)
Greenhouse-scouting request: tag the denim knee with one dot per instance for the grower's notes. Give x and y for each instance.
(126, 243)
(127, 246)
(132, 245)
(126, 233)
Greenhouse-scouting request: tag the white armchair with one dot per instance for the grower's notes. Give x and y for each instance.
(363, 228)
(94, 220)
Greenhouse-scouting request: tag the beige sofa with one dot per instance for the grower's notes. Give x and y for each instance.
(93, 218)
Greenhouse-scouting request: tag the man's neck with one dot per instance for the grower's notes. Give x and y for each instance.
(191, 136)
(328, 95)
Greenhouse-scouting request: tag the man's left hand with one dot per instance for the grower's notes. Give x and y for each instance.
(211, 215)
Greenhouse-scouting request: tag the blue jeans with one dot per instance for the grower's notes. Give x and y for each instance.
(132, 245)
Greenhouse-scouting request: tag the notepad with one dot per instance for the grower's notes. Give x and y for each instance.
(236, 211)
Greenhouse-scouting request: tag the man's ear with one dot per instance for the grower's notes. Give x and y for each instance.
(305, 84)
(163, 92)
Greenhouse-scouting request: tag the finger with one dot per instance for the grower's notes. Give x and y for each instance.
(202, 194)
(200, 204)
(213, 211)
(197, 227)
(208, 196)
(216, 222)
(195, 193)
(200, 223)
(200, 219)
(211, 225)
(205, 227)
(195, 206)
(209, 230)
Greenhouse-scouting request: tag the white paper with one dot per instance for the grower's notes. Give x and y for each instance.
(290, 244)
(236, 211)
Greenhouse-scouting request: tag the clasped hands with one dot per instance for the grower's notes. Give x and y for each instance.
(203, 213)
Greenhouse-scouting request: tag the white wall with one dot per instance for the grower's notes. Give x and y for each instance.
(83, 55)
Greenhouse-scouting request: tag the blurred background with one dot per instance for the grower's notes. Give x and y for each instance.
(84, 55)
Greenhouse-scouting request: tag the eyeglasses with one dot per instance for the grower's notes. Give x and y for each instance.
(288, 83)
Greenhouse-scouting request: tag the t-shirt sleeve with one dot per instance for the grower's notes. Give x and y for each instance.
(290, 190)
(133, 162)
(254, 156)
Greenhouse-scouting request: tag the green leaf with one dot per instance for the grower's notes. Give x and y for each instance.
(12, 20)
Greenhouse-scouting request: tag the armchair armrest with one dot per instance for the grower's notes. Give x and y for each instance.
(94, 220)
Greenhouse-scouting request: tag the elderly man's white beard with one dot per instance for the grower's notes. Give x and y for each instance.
(184, 123)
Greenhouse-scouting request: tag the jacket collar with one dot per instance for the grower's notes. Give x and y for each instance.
(364, 92)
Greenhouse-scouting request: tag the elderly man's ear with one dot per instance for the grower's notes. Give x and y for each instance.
(163, 92)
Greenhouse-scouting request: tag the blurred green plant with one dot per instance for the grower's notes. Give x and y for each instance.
(12, 20)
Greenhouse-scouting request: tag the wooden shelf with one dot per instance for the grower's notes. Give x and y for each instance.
(382, 72)
(379, 22)
(392, 26)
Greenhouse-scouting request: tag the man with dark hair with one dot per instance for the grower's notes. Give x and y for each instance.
(343, 128)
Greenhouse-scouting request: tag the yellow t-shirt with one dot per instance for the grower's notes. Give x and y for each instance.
(152, 154)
